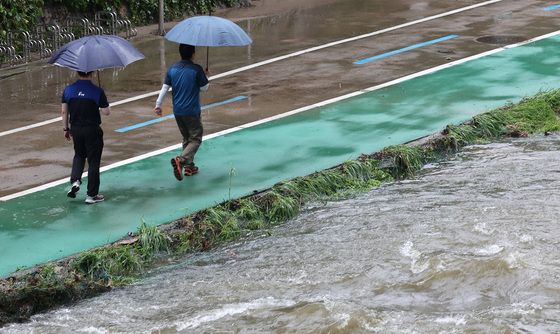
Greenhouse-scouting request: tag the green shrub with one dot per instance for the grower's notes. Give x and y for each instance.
(23, 15)
(19, 14)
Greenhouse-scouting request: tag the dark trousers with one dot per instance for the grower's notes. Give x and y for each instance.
(191, 129)
(88, 144)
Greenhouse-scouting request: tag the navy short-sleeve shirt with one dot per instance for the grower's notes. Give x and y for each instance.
(84, 100)
(186, 78)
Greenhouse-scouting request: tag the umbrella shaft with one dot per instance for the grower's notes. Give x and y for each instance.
(208, 48)
(207, 57)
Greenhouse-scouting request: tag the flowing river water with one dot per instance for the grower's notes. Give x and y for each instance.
(470, 246)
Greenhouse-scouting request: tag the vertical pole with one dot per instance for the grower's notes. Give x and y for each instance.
(162, 62)
(163, 67)
(249, 49)
(161, 29)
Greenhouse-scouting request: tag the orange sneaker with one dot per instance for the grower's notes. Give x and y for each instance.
(190, 170)
(177, 168)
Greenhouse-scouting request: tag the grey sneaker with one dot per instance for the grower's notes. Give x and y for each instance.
(74, 189)
(95, 199)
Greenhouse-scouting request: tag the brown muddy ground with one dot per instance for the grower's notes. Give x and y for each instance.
(40, 155)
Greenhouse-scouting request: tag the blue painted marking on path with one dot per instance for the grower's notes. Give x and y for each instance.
(164, 118)
(150, 122)
(552, 8)
(408, 48)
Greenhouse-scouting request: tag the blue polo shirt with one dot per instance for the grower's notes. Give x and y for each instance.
(186, 78)
(84, 100)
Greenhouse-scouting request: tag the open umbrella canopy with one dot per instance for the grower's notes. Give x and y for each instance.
(96, 52)
(208, 31)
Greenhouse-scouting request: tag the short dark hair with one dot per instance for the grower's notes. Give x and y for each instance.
(84, 74)
(186, 51)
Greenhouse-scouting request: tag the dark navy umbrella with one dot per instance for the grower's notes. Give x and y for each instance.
(96, 52)
(208, 31)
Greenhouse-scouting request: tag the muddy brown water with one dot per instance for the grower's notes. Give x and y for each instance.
(471, 246)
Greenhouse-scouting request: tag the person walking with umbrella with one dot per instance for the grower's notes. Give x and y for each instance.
(186, 79)
(83, 102)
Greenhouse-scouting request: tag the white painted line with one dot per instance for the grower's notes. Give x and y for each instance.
(59, 119)
(36, 125)
(273, 60)
(290, 113)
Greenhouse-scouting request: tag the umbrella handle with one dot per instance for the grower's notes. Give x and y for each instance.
(208, 48)
(207, 57)
(98, 79)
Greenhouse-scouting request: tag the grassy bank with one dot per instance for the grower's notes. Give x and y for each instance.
(99, 270)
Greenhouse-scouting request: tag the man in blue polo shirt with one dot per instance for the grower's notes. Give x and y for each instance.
(82, 103)
(186, 79)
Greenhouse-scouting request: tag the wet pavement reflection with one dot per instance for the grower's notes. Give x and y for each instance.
(31, 94)
(39, 85)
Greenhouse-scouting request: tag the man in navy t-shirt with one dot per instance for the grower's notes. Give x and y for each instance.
(187, 80)
(82, 103)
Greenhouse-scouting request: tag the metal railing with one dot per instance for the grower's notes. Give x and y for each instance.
(24, 46)
(114, 25)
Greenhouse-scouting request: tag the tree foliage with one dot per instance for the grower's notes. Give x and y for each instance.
(23, 14)
(19, 14)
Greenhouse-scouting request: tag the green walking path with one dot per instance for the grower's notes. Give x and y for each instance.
(45, 225)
